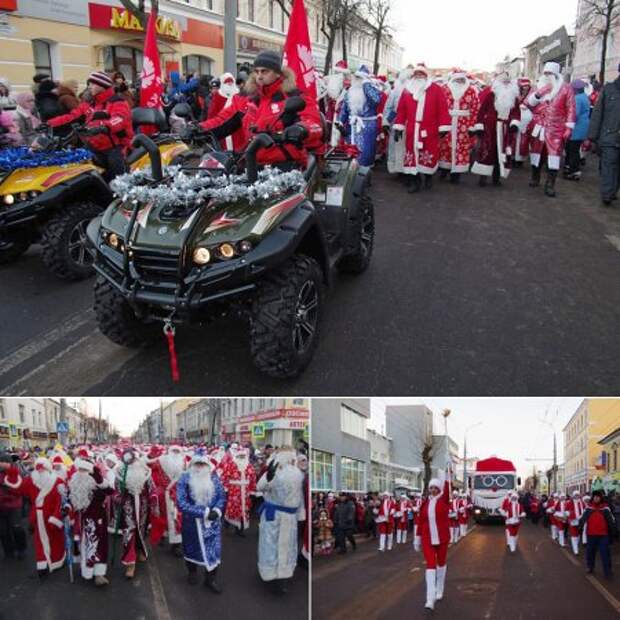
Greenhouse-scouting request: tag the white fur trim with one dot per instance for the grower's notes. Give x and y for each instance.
(570, 125)
(444, 128)
(56, 522)
(482, 169)
(398, 127)
(535, 159)
(14, 485)
(515, 123)
(219, 512)
(427, 170)
(553, 162)
(476, 127)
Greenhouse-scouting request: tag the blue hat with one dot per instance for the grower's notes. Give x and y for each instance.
(362, 72)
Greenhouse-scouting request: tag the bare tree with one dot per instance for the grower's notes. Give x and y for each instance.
(139, 10)
(427, 460)
(597, 19)
(378, 13)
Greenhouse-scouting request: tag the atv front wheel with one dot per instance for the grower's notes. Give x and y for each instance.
(364, 235)
(116, 318)
(12, 249)
(286, 313)
(64, 241)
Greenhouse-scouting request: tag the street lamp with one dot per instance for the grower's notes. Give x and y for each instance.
(555, 455)
(465, 453)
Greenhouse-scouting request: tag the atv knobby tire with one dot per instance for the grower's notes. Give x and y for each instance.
(364, 234)
(64, 236)
(117, 320)
(288, 301)
(12, 249)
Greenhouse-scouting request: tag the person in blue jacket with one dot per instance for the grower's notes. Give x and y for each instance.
(572, 167)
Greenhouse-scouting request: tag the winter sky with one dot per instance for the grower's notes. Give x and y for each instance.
(475, 34)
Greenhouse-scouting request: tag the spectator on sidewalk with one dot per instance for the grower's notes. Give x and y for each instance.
(572, 170)
(600, 527)
(12, 533)
(344, 522)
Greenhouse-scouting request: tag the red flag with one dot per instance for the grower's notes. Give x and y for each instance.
(151, 85)
(298, 50)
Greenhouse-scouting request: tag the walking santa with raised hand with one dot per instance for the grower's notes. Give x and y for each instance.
(455, 504)
(498, 118)
(554, 109)
(87, 494)
(358, 116)
(395, 150)
(561, 518)
(576, 508)
(384, 516)
(201, 498)
(422, 118)
(45, 491)
(239, 479)
(513, 512)
(167, 470)
(434, 530)
(463, 106)
(335, 85)
(522, 136)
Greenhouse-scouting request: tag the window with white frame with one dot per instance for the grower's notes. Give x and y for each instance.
(322, 468)
(352, 475)
(42, 55)
(352, 423)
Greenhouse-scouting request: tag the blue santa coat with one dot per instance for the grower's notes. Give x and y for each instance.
(202, 540)
(361, 128)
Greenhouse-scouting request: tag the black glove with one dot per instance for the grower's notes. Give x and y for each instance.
(398, 134)
(213, 515)
(295, 134)
(443, 134)
(339, 126)
(95, 131)
(513, 128)
(101, 115)
(271, 471)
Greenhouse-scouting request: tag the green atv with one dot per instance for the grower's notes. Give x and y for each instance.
(268, 259)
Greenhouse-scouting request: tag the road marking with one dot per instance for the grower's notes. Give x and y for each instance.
(159, 597)
(39, 343)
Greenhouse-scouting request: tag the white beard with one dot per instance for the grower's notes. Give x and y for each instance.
(289, 475)
(81, 487)
(137, 475)
(241, 465)
(43, 480)
(357, 98)
(554, 82)
(61, 473)
(201, 486)
(172, 465)
(505, 97)
(228, 90)
(334, 84)
(416, 87)
(457, 89)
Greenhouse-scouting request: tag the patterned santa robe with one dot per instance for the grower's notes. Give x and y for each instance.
(169, 520)
(45, 518)
(395, 150)
(361, 124)
(422, 120)
(90, 527)
(239, 487)
(495, 145)
(277, 532)
(202, 539)
(455, 148)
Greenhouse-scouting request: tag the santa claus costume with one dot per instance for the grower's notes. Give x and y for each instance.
(401, 518)
(167, 470)
(45, 492)
(222, 99)
(422, 116)
(384, 518)
(358, 116)
(395, 149)
(239, 479)
(455, 504)
(553, 107)
(464, 509)
(522, 137)
(498, 118)
(576, 508)
(335, 87)
(201, 499)
(560, 515)
(434, 531)
(87, 494)
(549, 507)
(416, 505)
(512, 512)
(463, 105)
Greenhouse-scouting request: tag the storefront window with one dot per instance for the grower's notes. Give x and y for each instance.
(251, 10)
(127, 60)
(41, 52)
(322, 468)
(379, 481)
(352, 475)
(197, 64)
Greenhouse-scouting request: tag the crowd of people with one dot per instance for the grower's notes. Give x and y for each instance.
(440, 517)
(86, 501)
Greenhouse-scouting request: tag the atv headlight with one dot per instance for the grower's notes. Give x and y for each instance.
(34, 193)
(201, 256)
(226, 250)
(113, 240)
(8, 199)
(245, 246)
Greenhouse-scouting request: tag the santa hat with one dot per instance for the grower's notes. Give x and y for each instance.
(227, 78)
(341, 67)
(42, 463)
(434, 482)
(110, 456)
(382, 78)
(575, 493)
(362, 72)
(84, 460)
(552, 67)
(57, 460)
(421, 68)
(200, 456)
(457, 74)
(523, 81)
(174, 448)
(386, 493)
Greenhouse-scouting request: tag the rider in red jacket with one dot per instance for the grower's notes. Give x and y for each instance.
(108, 121)
(266, 92)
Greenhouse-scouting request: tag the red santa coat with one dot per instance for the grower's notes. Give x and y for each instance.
(576, 507)
(384, 515)
(455, 148)
(464, 507)
(496, 142)
(169, 519)
(45, 518)
(239, 486)
(434, 525)
(550, 509)
(416, 505)
(552, 124)
(223, 114)
(401, 514)
(560, 513)
(422, 120)
(512, 512)
(455, 504)
(381, 139)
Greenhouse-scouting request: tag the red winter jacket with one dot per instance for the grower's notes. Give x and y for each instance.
(8, 499)
(259, 112)
(440, 524)
(119, 123)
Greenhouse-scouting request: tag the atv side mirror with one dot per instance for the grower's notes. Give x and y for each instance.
(183, 110)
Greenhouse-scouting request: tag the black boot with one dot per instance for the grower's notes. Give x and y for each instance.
(552, 175)
(192, 573)
(535, 181)
(482, 181)
(413, 187)
(455, 178)
(177, 552)
(282, 586)
(428, 181)
(496, 176)
(443, 173)
(211, 582)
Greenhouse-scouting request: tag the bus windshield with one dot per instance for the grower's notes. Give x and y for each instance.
(494, 481)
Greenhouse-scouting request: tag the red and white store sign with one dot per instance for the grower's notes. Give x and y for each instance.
(274, 414)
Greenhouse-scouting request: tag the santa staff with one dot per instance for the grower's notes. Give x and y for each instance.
(384, 519)
(512, 512)
(576, 508)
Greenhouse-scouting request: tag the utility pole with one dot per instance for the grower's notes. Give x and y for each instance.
(63, 418)
(555, 456)
(161, 420)
(230, 36)
(99, 424)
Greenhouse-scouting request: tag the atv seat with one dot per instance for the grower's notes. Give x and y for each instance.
(148, 116)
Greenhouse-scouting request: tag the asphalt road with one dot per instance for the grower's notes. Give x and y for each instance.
(494, 291)
(484, 581)
(158, 592)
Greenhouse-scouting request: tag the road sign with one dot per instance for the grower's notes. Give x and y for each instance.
(62, 427)
(258, 431)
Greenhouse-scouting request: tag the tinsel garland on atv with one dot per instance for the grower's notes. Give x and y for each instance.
(182, 189)
(22, 157)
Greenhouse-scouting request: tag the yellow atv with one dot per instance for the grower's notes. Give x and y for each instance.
(50, 192)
